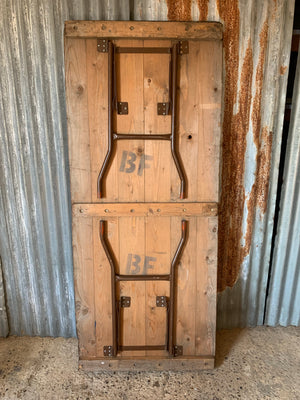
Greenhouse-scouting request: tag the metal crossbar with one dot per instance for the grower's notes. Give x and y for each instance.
(113, 105)
(115, 278)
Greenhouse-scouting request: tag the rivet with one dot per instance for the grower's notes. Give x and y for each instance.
(106, 210)
(81, 210)
(131, 28)
(184, 209)
(158, 210)
(132, 210)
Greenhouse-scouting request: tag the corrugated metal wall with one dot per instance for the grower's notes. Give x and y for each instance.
(35, 227)
(283, 304)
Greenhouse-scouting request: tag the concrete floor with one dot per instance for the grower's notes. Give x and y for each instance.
(259, 363)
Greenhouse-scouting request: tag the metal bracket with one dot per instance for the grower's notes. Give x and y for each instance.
(163, 108)
(177, 351)
(161, 301)
(183, 47)
(108, 351)
(102, 45)
(122, 107)
(125, 301)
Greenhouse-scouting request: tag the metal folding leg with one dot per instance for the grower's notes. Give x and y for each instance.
(116, 277)
(113, 104)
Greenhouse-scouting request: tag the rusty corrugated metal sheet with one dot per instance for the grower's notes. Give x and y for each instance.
(35, 233)
(283, 305)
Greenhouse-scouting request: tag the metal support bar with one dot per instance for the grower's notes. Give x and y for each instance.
(141, 278)
(117, 278)
(174, 264)
(174, 124)
(103, 238)
(106, 162)
(125, 136)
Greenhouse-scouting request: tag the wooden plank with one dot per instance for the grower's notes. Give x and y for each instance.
(187, 132)
(144, 30)
(186, 287)
(82, 236)
(206, 280)
(157, 188)
(149, 364)
(102, 284)
(158, 261)
(145, 209)
(157, 153)
(209, 125)
(131, 188)
(132, 251)
(129, 153)
(78, 122)
(97, 83)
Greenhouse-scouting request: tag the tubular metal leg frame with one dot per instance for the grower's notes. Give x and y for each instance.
(106, 162)
(115, 277)
(112, 101)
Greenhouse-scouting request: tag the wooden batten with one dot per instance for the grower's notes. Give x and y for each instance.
(144, 30)
(108, 210)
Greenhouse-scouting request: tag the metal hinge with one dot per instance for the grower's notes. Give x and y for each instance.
(161, 301)
(163, 108)
(102, 45)
(125, 301)
(108, 351)
(183, 47)
(122, 107)
(177, 351)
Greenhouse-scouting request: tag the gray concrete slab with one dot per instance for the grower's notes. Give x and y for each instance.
(258, 363)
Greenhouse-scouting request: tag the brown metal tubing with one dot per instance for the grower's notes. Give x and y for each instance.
(130, 278)
(144, 50)
(107, 159)
(125, 136)
(146, 348)
(103, 232)
(174, 264)
(176, 157)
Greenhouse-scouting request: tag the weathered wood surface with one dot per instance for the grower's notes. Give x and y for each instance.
(149, 364)
(144, 170)
(108, 210)
(144, 30)
(141, 203)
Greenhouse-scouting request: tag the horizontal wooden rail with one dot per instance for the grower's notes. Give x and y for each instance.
(144, 30)
(145, 209)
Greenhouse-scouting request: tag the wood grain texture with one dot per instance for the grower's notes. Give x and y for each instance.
(141, 204)
(78, 120)
(132, 242)
(206, 285)
(150, 364)
(82, 233)
(144, 30)
(108, 210)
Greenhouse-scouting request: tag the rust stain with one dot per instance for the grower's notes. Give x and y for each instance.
(283, 69)
(179, 10)
(235, 128)
(258, 195)
(203, 9)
